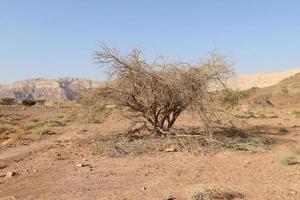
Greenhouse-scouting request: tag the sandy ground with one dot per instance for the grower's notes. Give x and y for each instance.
(60, 167)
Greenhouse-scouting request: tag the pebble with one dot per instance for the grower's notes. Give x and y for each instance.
(170, 149)
(10, 174)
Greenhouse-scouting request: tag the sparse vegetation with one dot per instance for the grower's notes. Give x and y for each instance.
(55, 122)
(215, 193)
(7, 128)
(255, 114)
(231, 97)
(247, 114)
(41, 130)
(90, 110)
(18, 136)
(297, 114)
(190, 140)
(7, 101)
(289, 160)
(283, 130)
(28, 103)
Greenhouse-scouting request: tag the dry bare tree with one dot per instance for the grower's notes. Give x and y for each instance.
(157, 93)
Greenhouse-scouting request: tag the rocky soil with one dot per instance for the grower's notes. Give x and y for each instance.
(66, 166)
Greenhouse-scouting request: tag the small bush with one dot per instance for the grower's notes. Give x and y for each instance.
(28, 103)
(215, 193)
(231, 97)
(283, 130)
(7, 128)
(49, 123)
(247, 114)
(7, 101)
(289, 160)
(18, 136)
(4, 119)
(297, 114)
(42, 130)
(54, 122)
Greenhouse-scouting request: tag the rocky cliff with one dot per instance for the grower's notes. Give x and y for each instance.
(67, 89)
(62, 89)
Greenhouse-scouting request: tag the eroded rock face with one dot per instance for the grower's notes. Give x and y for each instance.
(67, 89)
(63, 89)
(261, 79)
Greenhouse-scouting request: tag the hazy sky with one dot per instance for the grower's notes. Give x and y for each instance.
(57, 38)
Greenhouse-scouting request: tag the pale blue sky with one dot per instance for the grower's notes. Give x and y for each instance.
(56, 38)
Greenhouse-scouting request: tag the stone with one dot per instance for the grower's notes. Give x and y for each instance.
(171, 149)
(80, 165)
(10, 174)
(2, 166)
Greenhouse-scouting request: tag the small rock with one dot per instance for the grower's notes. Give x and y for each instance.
(170, 198)
(3, 166)
(10, 174)
(84, 165)
(5, 143)
(80, 165)
(144, 188)
(293, 193)
(247, 163)
(27, 172)
(171, 149)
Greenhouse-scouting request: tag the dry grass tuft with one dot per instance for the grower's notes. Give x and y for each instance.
(215, 193)
(188, 140)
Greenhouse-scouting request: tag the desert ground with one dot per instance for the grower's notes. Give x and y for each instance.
(62, 161)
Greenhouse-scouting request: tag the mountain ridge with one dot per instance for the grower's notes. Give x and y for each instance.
(60, 89)
(260, 79)
(68, 89)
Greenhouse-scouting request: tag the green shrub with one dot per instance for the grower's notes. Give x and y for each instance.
(283, 130)
(246, 114)
(54, 122)
(297, 113)
(289, 160)
(42, 130)
(231, 97)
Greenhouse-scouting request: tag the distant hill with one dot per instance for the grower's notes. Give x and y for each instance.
(260, 79)
(61, 89)
(284, 94)
(67, 89)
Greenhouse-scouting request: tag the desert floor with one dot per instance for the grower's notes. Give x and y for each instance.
(63, 166)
